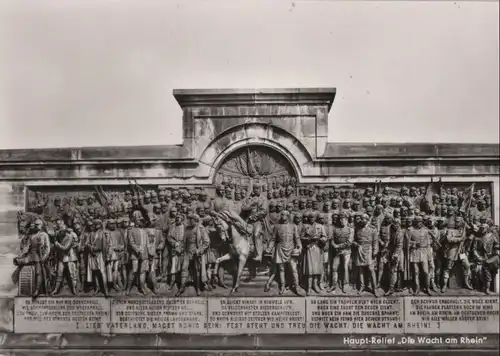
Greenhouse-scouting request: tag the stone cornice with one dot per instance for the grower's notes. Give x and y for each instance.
(179, 154)
(234, 97)
(397, 151)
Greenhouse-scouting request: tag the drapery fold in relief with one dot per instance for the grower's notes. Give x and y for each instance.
(255, 162)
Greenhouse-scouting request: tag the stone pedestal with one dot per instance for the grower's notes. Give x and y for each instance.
(349, 323)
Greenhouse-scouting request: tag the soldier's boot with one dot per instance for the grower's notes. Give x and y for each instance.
(258, 250)
(182, 289)
(130, 283)
(427, 284)
(467, 279)
(393, 282)
(207, 286)
(270, 280)
(267, 287)
(124, 278)
(282, 282)
(153, 279)
(373, 279)
(142, 284)
(38, 284)
(81, 285)
(309, 284)
(57, 287)
(295, 288)
(486, 287)
(432, 284)
(390, 291)
(487, 281)
(119, 281)
(213, 280)
(170, 286)
(74, 287)
(445, 284)
(96, 283)
(209, 277)
(335, 279)
(115, 282)
(379, 276)
(324, 277)
(197, 285)
(102, 285)
(361, 282)
(316, 285)
(417, 284)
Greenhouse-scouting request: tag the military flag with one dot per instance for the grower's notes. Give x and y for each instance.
(467, 198)
(101, 196)
(427, 203)
(136, 187)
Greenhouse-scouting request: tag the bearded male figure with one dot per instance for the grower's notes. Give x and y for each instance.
(36, 253)
(419, 238)
(285, 242)
(340, 251)
(365, 252)
(65, 256)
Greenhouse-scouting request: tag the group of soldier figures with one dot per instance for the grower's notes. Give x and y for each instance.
(317, 239)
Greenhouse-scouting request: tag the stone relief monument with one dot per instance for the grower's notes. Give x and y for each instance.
(256, 225)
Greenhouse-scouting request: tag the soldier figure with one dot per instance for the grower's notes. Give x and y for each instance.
(175, 240)
(419, 238)
(457, 246)
(285, 242)
(77, 228)
(114, 259)
(36, 253)
(219, 203)
(95, 249)
(124, 227)
(196, 243)
(365, 251)
(155, 246)
(383, 251)
(340, 251)
(138, 252)
(65, 257)
(434, 246)
(486, 253)
(313, 237)
(395, 255)
(256, 219)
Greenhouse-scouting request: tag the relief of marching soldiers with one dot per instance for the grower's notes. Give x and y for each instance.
(315, 239)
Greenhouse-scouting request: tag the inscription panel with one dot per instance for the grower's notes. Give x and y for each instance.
(475, 315)
(256, 315)
(57, 315)
(159, 315)
(340, 315)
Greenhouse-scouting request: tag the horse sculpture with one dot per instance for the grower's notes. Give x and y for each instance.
(233, 230)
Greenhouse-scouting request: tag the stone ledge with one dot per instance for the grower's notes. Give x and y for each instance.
(76, 154)
(19, 352)
(270, 342)
(180, 153)
(409, 150)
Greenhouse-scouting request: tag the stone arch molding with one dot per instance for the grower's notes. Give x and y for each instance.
(256, 134)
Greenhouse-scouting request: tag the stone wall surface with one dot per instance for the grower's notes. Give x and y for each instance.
(219, 125)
